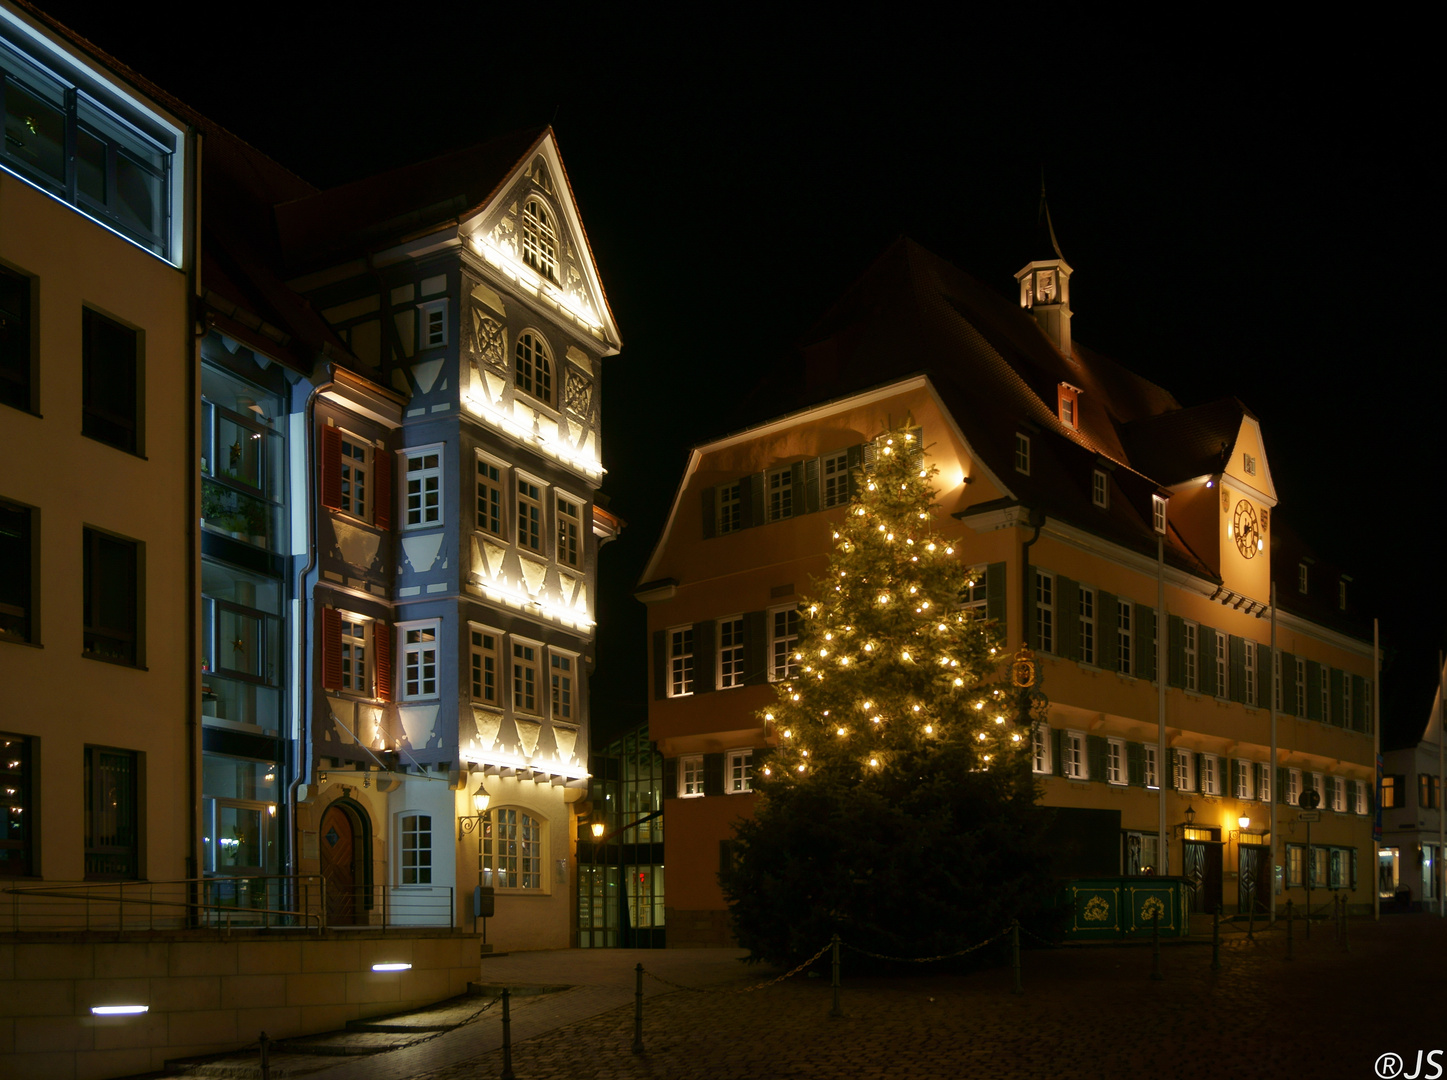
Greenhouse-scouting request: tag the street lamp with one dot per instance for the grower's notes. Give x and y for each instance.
(482, 900)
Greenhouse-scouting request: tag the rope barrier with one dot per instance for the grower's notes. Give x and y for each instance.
(742, 990)
(928, 959)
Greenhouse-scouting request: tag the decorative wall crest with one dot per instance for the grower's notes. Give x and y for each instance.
(578, 396)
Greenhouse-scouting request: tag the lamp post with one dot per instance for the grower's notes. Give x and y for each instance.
(467, 823)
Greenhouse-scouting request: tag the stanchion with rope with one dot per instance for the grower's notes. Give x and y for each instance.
(1156, 975)
(1015, 951)
(1345, 922)
(834, 945)
(507, 1073)
(638, 1011)
(1290, 928)
(265, 1045)
(1216, 938)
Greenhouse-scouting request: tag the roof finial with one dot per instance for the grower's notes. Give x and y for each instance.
(1045, 242)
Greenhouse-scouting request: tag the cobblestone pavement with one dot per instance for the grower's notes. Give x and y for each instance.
(1086, 1012)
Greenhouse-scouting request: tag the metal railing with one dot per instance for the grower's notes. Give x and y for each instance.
(225, 904)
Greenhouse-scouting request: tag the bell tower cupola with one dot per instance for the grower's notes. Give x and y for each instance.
(1045, 281)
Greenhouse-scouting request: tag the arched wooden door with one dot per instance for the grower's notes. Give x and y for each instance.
(339, 866)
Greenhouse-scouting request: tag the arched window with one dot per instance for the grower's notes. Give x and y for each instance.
(512, 849)
(540, 242)
(534, 368)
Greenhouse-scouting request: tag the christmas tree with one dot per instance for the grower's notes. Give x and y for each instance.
(898, 808)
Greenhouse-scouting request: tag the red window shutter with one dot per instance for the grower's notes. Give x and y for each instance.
(331, 467)
(382, 489)
(382, 654)
(331, 649)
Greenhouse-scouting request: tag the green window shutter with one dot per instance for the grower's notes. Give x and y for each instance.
(1095, 747)
(709, 499)
(713, 774)
(1170, 768)
(660, 664)
(1032, 613)
(1234, 778)
(995, 596)
(1265, 677)
(1281, 784)
(1176, 643)
(1313, 690)
(1057, 753)
(811, 485)
(1206, 660)
(1236, 666)
(855, 458)
(1145, 642)
(1288, 683)
(670, 778)
(1359, 703)
(749, 487)
(1135, 763)
(916, 448)
(756, 648)
(1107, 627)
(796, 481)
(705, 663)
(1200, 771)
(1067, 618)
(1334, 709)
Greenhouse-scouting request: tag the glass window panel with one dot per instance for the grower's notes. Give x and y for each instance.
(90, 175)
(35, 130)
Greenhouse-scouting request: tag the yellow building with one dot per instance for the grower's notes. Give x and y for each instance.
(97, 432)
(1094, 509)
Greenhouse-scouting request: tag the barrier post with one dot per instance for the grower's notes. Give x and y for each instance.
(1345, 922)
(264, 1042)
(507, 1073)
(1015, 948)
(1290, 928)
(1216, 939)
(834, 947)
(638, 1012)
(1156, 975)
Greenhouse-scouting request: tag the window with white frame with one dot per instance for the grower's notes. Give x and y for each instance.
(730, 653)
(834, 476)
(1222, 684)
(419, 661)
(432, 324)
(540, 242)
(1359, 800)
(1125, 636)
(976, 593)
(1300, 687)
(1301, 578)
(512, 849)
(570, 528)
(1115, 761)
(1040, 748)
(1087, 625)
(424, 489)
(730, 507)
(1072, 751)
(356, 466)
(1248, 464)
(680, 661)
(1210, 774)
(1185, 770)
(1243, 780)
(1249, 656)
(1263, 789)
(529, 514)
(1190, 635)
(484, 662)
(740, 775)
(525, 655)
(690, 776)
(780, 493)
(1022, 453)
(415, 836)
(562, 684)
(1336, 795)
(356, 669)
(1158, 513)
(1318, 784)
(783, 636)
(1293, 787)
(1100, 489)
(490, 498)
(1152, 776)
(533, 373)
(1325, 694)
(1341, 594)
(1045, 610)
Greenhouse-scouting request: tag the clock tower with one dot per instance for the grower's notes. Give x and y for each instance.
(1045, 282)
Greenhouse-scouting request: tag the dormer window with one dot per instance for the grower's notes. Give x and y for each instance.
(1022, 453)
(540, 242)
(1301, 578)
(534, 373)
(1069, 405)
(1158, 514)
(1100, 489)
(1341, 592)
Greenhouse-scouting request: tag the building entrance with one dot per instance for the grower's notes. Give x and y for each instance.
(1203, 869)
(338, 856)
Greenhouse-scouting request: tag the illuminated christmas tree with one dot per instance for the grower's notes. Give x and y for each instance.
(898, 807)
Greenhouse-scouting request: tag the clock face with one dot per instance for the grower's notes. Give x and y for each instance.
(1245, 530)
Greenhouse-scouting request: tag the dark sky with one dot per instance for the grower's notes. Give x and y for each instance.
(1247, 207)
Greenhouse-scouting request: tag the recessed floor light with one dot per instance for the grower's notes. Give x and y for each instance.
(118, 1010)
(391, 967)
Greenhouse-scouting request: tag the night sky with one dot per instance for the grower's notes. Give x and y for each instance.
(1248, 209)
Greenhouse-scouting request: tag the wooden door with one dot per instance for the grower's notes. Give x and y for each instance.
(339, 866)
(1254, 879)
(1203, 868)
